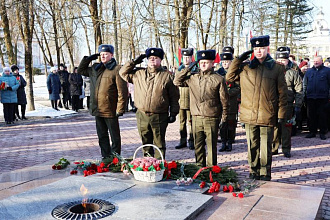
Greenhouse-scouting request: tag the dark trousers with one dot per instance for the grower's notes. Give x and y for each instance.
(16, 112)
(259, 140)
(152, 129)
(130, 101)
(88, 100)
(8, 111)
(104, 126)
(185, 119)
(228, 132)
(75, 102)
(54, 104)
(316, 114)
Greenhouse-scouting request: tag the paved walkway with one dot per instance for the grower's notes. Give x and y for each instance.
(37, 141)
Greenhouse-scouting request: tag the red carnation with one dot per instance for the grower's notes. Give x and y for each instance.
(172, 165)
(240, 195)
(54, 167)
(231, 188)
(115, 160)
(99, 169)
(202, 184)
(58, 167)
(225, 189)
(216, 169)
(234, 194)
(76, 162)
(102, 165)
(105, 169)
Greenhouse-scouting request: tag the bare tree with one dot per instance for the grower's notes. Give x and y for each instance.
(26, 29)
(7, 33)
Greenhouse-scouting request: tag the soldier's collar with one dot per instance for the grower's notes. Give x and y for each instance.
(269, 63)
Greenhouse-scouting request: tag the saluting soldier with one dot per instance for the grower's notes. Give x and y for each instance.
(208, 100)
(263, 103)
(228, 129)
(292, 65)
(184, 113)
(282, 132)
(155, 97)
(108, 95)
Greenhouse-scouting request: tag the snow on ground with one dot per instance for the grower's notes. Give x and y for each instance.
(40, 91)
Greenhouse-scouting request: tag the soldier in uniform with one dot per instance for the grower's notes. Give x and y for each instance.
(228, 129)
(108, 95)
(184, 114)
(208, 100)
(282, 132)
(155, 97)
(263, 103)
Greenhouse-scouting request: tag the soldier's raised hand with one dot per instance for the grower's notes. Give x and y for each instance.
(94, 56)
(245, 55)
(139, 59)
(193, 64)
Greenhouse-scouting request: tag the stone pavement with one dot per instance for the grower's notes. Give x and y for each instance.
(39, 141)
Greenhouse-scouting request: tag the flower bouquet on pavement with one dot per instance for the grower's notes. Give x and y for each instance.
(61, 164)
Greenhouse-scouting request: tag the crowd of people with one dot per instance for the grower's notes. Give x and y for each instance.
(272, 98)
(67, 89)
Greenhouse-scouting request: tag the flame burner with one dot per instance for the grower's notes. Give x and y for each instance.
(95, 209)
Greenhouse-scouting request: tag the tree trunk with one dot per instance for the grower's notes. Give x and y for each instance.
(114, 11)
(7, 33)
(26, 28)
(96, 23)
(232, 28)
(223, 20)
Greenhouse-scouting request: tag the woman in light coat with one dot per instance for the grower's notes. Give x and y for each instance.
(9, 85)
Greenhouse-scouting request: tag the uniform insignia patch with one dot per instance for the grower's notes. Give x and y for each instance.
(224, 56)
(184, 52)
(152, 51)
(103, 48)
(203, 55)
(257, 42)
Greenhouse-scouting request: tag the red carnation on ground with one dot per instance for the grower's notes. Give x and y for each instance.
(225, 189)
(240, 195)
(102, 165)
(216, 169)
(202, 184)
(234, 194)
(115, 160)
(231, 188)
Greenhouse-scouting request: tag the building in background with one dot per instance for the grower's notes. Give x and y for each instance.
(318, 41)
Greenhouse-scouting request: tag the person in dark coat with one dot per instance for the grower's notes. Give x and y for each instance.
(54, 87)
(9, 85)
(76, 83)
(65, 86)
(21, 96)
(316, 90)
(108, 92)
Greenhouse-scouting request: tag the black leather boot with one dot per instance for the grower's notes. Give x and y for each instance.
(223, 147)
